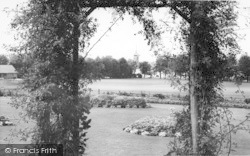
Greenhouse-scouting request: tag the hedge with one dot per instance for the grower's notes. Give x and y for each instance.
(117, 101)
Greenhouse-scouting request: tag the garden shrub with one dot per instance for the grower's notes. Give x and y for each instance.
(1, 93)
(114, 100)
(160, 96)
(143, 94)
(120, 101)
(247, 100)
(153, 126)
(136, 101)
(125, 94)
(101, 100)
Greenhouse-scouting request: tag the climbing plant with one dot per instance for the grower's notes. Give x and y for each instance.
(53, 32)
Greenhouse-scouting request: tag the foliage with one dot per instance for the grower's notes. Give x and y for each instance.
(112, 68)
(133, 65)
(1, 93)
(180, 64)
(117, 100)
(3, 60)
(22, 63)
(244, 66)
(124, 93)
(53, 32)
(160, 96)
(162, 64)
(153, 126)
(90, 68)
(145, 67)
(125, 69)
(247, 101)
(230, 67)
(216, 142)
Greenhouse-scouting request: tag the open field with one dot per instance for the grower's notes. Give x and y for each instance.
(152, 86)
(106, 136)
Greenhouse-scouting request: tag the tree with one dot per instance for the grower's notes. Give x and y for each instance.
(125, 69)
(145, 68)
(162, 64)
(111, 67)
(91, 69)
(180, 64)
(244, 66)
(230, 67)
(22, 63)
(133, 65)
(3, 60)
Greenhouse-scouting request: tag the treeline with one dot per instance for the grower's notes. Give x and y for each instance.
(108, 67)
(176, 64)
(234, 70)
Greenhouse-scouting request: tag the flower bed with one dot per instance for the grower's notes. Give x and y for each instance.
(118, 101)
(153, 126)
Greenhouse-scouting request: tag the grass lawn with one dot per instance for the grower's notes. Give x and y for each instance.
(106, 136)
(152, 86)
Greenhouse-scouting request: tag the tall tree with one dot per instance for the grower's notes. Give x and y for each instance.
(3, 60)
(22, 63)
(181, 64)
(145, 68)
(125, 69)
(133, 65)
(230, 67)
(162, 64)
(244, 66)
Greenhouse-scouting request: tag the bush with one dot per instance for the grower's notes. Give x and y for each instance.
(160, 96)
(125, 94)
(138, 102)
(247, 100)
(1, 93)
(139, 75)
(122, 101)
(143, 94)
(101, 100)
(153, 126)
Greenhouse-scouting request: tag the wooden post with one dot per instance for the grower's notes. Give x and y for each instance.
(193, 77)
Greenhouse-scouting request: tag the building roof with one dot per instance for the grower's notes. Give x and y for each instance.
(7, 69)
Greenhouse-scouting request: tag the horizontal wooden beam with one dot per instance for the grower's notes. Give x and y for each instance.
(134, 3)
(124, 3)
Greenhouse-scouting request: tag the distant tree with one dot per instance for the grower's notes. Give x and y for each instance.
(115, 73)
(22, 63)
(3, 60)
(179, 64)
(125, 69)
(111, 67)
(230, 67)
(162, 64)
(244, 66)
(132, 65)
(91, 68)
(145, 68)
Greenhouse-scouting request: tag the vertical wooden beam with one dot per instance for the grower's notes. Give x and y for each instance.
(193, 77)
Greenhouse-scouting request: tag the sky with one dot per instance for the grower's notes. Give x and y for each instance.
(123, 40)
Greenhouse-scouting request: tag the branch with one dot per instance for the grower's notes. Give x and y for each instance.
(90, 11)
(180, 13)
